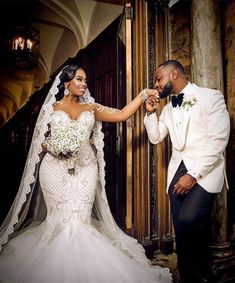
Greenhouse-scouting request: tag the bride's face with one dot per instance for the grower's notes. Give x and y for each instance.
(78, 85)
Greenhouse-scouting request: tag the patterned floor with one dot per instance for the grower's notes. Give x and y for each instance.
(225, 272)
(167, 261)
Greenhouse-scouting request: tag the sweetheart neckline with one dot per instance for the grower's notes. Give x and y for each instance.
(67, 114)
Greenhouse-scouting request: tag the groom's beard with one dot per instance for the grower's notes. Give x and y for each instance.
(167, 90)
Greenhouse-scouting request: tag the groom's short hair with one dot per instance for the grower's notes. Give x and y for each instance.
(174, 63)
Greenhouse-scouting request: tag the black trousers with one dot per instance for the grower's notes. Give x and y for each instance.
(191, 217)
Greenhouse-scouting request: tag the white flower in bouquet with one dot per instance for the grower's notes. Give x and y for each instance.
(66, 141)
(188, 101)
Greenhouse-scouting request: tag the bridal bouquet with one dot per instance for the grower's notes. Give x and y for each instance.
(66, 141)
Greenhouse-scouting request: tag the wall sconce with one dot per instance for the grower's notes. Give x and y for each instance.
(23, 47)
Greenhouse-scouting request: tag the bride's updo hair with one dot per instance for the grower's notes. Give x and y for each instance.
(68, 73)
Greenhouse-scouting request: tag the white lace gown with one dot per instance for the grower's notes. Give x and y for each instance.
(66, 247)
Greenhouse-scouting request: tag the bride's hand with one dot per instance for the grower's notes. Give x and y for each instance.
(152, 101)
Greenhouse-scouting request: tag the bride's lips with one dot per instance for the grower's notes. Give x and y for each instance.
(82, 89)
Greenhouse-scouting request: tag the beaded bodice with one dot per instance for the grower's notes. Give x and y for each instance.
(68, 196)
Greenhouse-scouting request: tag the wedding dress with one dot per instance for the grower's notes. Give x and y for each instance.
(78, 240)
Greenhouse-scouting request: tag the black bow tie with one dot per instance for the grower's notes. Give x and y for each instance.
(177, 100)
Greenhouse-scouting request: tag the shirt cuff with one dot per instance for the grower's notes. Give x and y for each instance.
(194, 175)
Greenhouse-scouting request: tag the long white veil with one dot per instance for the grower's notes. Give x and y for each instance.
(29, 206)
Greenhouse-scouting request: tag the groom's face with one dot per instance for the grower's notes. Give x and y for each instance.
(163, 81)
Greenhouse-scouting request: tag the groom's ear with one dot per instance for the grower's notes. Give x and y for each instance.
(174, 74)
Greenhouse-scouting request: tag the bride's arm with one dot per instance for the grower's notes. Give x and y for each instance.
(107, 114)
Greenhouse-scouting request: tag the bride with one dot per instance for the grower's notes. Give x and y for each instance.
(60, 228)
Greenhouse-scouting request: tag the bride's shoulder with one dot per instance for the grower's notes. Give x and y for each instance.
(90, 106)
(56, 105)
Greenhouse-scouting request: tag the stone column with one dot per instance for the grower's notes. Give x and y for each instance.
(207, 65)
(229, 48)
(207, 71)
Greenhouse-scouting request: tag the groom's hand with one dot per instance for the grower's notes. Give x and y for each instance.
(184, 184)
(152, 101)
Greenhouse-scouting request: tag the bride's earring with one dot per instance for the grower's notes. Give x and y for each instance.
(66, 91)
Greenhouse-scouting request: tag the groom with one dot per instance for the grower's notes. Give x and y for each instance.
(197, 121)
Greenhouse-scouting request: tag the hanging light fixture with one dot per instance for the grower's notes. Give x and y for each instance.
(23, 47)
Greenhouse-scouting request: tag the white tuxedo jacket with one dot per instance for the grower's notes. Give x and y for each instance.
(203, 139)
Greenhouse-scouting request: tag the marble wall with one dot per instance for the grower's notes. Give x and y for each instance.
(180, 34)
(228, 33)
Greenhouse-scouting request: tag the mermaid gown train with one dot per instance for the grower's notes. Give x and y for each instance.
(67, 247)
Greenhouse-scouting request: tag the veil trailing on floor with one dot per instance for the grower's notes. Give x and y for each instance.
(29, 207)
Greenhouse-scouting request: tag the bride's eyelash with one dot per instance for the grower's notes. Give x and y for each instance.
(81, 79)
